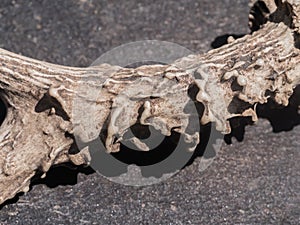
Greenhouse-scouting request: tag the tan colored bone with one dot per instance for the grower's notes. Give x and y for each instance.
(40, 97)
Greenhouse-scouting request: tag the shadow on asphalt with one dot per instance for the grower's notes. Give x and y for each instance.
(222, 40)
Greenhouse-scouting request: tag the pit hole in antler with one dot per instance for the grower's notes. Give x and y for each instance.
(3, 110)
(297, 40)
(284, 13)
(47, 102)
(258, 15)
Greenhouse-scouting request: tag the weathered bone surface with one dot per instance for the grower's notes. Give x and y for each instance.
(40, 97)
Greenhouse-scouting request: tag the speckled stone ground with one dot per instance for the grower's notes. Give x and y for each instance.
(251, 181)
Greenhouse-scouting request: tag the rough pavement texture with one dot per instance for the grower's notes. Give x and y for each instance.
(254, 181)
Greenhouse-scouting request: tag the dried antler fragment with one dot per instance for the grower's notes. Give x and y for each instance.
(229, 81)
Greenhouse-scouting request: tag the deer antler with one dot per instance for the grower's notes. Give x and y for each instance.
(40, 124)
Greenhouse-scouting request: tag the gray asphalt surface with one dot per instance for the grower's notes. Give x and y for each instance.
(251, 181)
